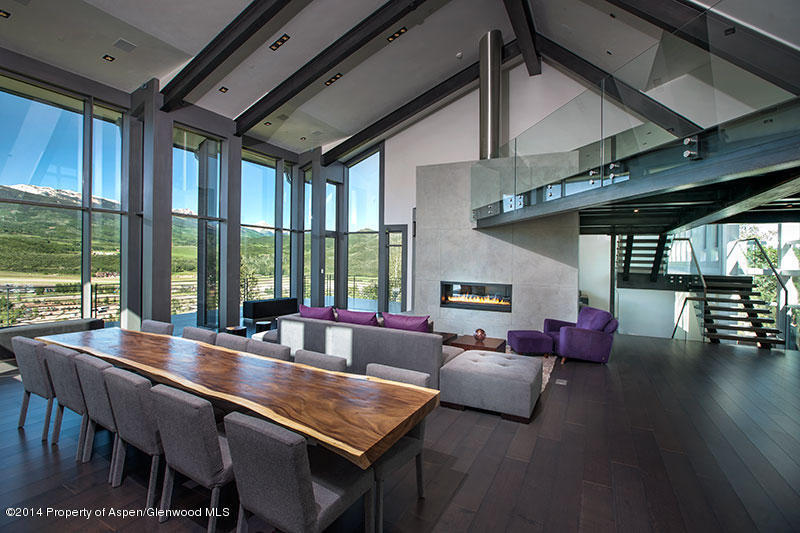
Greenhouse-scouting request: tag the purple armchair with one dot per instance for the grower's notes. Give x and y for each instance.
(590, 338)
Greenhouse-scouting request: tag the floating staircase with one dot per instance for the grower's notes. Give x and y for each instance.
(643, 254)
(730, 310)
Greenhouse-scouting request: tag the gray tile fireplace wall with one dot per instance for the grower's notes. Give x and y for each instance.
(539, 258)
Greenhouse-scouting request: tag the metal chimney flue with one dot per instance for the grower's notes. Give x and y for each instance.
(491, 48)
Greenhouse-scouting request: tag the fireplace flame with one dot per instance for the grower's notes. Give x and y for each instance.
(475, 299)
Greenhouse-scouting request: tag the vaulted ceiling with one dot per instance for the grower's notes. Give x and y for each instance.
(154, 38)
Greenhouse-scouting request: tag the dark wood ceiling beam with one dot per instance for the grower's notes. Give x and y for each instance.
(618, 90)
(433, 95)
(366, 30)
(744, 47)
(521, 17)
(235, 34)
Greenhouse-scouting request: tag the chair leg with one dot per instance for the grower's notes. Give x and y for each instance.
(88, 441)
(212, 519)
(166, 493)
(46, 428)
(151, 485)
(378, 505)
(241, 521)
(420, 476)
(119, 464)
(82, 436)
(57, 424)
(369, 510)
(23, 411)
(114, 450)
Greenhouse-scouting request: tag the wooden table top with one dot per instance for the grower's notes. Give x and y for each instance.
(357, 417)
(489, 344)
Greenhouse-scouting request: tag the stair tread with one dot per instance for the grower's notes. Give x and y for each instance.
(737, 327)
(740, 318)
(700, 299)
(739, 309)
(726, 291)
(748, 338)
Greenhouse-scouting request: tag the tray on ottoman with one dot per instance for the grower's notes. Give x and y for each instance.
(505, 383)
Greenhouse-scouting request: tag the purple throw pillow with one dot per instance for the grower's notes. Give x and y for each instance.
(321, 313)
(408, 323)
(357, 317)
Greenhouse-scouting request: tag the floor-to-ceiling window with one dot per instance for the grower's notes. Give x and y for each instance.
(196, 166)
(257, 274)
(331, 241)
(362, 233)
(51, 203)
(286, 252)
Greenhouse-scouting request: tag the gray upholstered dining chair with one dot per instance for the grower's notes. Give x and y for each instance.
(67, 386)
(132, 405)
(35, 378)
(269, 349)
(232, 342)
(192, 445)
(200, 334)
(98, 407)
(154, 326)
(408, 447)
(291, 486)
(321, 360)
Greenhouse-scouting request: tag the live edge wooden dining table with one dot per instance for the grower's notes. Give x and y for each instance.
(357, 417)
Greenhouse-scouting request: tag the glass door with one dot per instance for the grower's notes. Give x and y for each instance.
(396, 268)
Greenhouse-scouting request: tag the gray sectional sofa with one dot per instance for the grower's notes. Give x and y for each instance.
(362, 345)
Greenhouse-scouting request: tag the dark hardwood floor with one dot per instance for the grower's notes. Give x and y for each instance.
(668, 436)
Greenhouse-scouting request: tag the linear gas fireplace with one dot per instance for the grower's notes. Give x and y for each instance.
(478, 296)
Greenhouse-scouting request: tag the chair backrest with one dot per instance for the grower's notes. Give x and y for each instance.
(154, 326)
(90, 373)
(200, 334)
(403, 375)
(64, 375)
(32, 366)
(272, 472)
(232, 342)
(592, 318)
(269, 349)
(321, 360)
(188, 433)
(132, 405)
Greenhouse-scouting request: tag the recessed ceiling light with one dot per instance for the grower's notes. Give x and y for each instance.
(397, 34)
(333, 78)
(609, 52)
(223, 89)
(612, 15)
(268, 123)
(109, 58)
(635, 210)
(302, 138)
(279, 42)
(5, 14)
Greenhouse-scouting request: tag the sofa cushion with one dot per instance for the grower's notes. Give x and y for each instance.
(406, 322)
(357, 317)
(449, 352)
(320, 313)
(594, 319)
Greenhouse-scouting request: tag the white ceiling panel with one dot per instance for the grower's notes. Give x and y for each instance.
(588, 29)
(394, 74)
(188, 25)
(312, 30)
(779, 19)
(74, 35)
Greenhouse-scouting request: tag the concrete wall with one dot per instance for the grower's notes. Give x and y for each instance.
(594, 277)
(539, 258)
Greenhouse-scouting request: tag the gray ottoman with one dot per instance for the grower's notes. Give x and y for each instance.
(506, 383)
